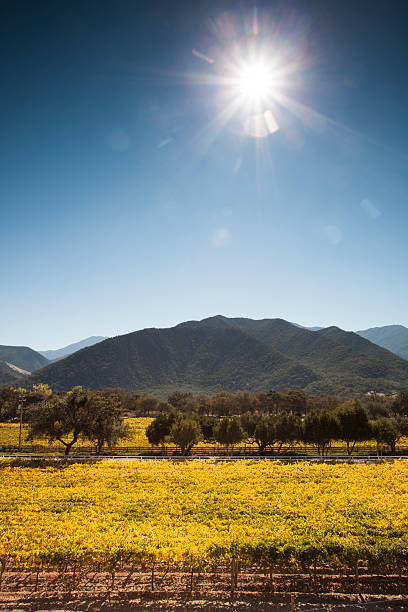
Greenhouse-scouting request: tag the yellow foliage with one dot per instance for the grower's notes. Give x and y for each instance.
(42, 388)
(193, 512)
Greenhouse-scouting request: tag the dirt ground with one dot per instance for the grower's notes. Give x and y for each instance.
(127, 591)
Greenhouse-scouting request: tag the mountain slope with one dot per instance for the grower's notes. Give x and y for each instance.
(392, 337)
(23, 357)
(8, 374)
(53, 355)
(195, 354)
(343, 361)
(219, 353)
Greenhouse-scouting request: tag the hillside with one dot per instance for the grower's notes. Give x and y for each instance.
(194, 354)
(54, 355)
(219, 353)
(392, 337)
(8, 374)
(22, 357)
(343, 361)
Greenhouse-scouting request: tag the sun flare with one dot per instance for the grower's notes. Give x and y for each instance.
(255, 82)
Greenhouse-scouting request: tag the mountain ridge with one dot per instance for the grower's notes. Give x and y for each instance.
(391, 337)
(190, 353)
(55, 354)
(221, 353)
(23, 357)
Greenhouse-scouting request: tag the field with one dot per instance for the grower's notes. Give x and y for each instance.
(161, 532)
(197, 517)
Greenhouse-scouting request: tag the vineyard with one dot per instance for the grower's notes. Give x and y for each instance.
(194, 517)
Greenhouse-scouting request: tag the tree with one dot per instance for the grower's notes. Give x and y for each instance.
(72, 415)
(229, 431)
(267, 430)
(42, 389)
(147, 405)
(265, 433)
(287, 428)
(354, 424)
(9, 400)
(249, 422)
(401, 423)
(400, 404)
(378, 406)
(203, 405)
(385, 432)
(130, 402)
(105, 425)
(320, 427)
(207, 424)
(260, 429)
(11, 397)
(322, 402)
(243, 402)
(159, 429)
(296, 402)
(185, 432)
(222, 404)
(178, 399)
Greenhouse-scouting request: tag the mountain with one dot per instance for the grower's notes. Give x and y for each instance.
(10, 374)
(343, 361)
(54, 355)
(392, 337)
(197, 355)
(221, 353)
(22, 357)
(310, 328)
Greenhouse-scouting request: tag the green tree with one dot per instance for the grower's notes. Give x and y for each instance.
(295, 401)
(229, 431)
(147, 405)
(287, 428)
(9, 400)
(223, 404)
(267, 430)
(186, 432)
(77, 413)
(354, 424)
(248, 423)
(320, 427)
(384, 431)
(179, 399)
(265, 433)
(207, 424)
(105, 425)
(400, 404)
(159, 429)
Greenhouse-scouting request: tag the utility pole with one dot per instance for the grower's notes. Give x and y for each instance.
(20, 408)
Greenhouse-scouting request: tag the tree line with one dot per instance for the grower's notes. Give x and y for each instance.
(267, 420)
(350, 422)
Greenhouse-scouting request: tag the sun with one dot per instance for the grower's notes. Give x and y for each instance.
(255, 82)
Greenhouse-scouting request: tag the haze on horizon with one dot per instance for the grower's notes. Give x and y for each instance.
(175, 161)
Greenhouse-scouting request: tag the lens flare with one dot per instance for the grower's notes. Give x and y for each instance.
(255, 82)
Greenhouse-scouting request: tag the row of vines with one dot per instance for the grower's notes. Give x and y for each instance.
(201, 515)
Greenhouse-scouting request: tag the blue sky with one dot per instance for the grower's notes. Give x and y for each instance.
(124, 204)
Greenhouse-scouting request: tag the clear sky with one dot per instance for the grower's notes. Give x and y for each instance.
(134, 192)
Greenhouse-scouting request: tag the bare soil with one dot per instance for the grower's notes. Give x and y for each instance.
(24, 590)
